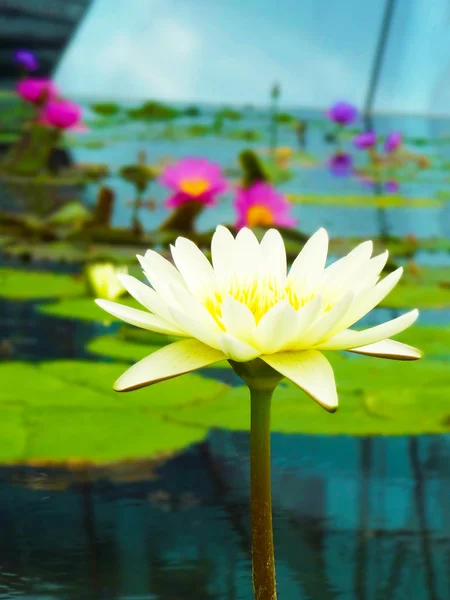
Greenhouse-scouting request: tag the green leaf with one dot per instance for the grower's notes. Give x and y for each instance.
(64, 410)
(23, 285)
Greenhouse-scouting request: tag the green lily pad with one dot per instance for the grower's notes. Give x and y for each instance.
(389, 201)
(83, 309)
(433, 341)
(67, 410)
(26, 285)
(375, 398)
(417, 296)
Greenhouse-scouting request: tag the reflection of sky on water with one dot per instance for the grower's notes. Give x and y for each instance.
(353, 518)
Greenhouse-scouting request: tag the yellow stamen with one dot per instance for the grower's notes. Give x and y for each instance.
(194, 186)
(259, 215)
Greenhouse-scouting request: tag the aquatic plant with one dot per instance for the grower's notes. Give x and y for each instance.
(103, 280)
(26, 59)
(392, 186)
(342, 113)
(153, 111)
(269, 325)
(341, 164)
(61, 113)
(365, 140)
(275, 93)
(105, 109)
(393, 141)
(193, 179)
(262, 205)
(140, 176)
(36, 90)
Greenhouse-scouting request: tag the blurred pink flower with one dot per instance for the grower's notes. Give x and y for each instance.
(261, 204)
(62, 114)
(193, 179)
(36, 89)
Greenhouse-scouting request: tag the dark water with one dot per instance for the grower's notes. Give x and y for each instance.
(354, 519)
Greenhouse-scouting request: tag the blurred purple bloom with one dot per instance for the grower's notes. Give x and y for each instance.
(365, 140)
(341, 164)
(393, 141)
(26, 59)
(391, 187)
(343, 113)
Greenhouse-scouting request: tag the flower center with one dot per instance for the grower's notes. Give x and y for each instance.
(259, 295)
(194, 186)
(259, 215)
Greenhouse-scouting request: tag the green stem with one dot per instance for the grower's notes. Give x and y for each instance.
(261, 498)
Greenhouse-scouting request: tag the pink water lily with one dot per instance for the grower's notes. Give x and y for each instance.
(36, 90)
(193, 179)
(262, 205)
(62, 114)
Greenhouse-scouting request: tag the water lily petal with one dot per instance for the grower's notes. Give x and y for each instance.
(172, 360)
(222, 245)
(365, 301)
(390, 349)
(236, 350)
(340, 273)
(326, 323)
(311, 371)
(354, 339)
(274, 255)
(193, 265)
(195, 327)
(247, 255)
(308, 267)
(159, 271)
(369, 274)
(146, 296)
(140, 318)
(277, 328)
(238, 320)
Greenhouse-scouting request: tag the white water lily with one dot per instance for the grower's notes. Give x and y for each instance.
(246, 305)
(104, 280)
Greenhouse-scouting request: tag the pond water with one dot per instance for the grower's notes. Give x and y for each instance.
(355, 518)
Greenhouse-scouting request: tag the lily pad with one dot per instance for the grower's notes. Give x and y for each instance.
(23, 285)
(67, 410)
(418, 296)
(368, 201)
(375, 398)
(83, 309)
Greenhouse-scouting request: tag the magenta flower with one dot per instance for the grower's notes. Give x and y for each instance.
(392, 187)
(193, 179)
(341, 164)
(61, 113)
(26, 59)
(261, 204)
(393, 141)
(36, 89)
(365, 140)
(343, 113)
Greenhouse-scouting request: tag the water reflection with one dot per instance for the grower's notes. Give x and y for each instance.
(355, 518)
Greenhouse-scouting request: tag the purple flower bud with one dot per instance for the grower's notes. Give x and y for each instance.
(393, 141)
(26, 59)
(343, 113)
(365, 140)
(341, 164)
(391, 187)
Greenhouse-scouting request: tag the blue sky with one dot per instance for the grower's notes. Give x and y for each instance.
(231, 51)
